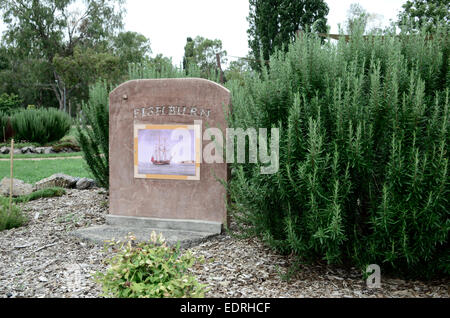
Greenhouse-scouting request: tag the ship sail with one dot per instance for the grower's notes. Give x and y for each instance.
(161, 152)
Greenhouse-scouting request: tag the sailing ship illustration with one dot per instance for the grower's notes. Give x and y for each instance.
(160, 155)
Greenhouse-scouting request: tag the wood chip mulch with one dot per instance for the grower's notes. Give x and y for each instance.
(42, 259)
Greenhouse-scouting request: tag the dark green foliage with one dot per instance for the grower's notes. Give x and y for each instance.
(64, 144)
(3, 125)
(201, 53)
(364, 135)
(43, 193)
(10, 219)
(40, 125)
(9, 103)
(93, 133)
(274, 23)
(45, 36)
(419, 14)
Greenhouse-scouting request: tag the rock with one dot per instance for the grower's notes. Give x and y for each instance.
(43, 150)
(17, 151)
(19, 187)
(43, 279)
(48, 150)
(4, 150)
(56, 180)
(85, 183)
(28, 149)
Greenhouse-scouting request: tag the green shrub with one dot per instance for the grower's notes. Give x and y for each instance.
(43, 193)
(67, 143)
(9, 103)
(10, 219)
(93, 133)
(364, 138)
(40, 125)
(149, 270)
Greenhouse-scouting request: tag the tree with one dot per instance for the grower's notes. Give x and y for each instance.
(82, 69)
(236, 69)
(418, 14)
(202, 52)
(274, 23)
(9, 103)
(160, 63)
(25, 77)
(131, 47)
(359, 18)
(42, 30)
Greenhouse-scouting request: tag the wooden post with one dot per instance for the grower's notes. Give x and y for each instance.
(11, 175)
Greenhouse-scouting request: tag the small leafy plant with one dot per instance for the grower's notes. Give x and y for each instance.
(43, 193)
(149, 270)
(10, 219)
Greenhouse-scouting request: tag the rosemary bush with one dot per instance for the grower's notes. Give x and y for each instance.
(364, 135)
(10, 219)
(40, 125)
(93, 133)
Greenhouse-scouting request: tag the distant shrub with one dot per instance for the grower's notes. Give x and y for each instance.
(9, 103)
(149, 270)
(67, 143)
(10, 219)
(40, 125)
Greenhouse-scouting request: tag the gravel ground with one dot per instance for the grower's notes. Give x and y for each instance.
(42, 259)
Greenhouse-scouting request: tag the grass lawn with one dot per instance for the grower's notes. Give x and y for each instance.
(50, 155)
(33, 171)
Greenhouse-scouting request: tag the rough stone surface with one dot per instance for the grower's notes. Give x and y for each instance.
(19, 187)
(84, 183)
(56, 180)
(43, 150)
(167, 199)
(103, 233)
(4, 150)
(166, 224)
(28, 150)
(42, 259)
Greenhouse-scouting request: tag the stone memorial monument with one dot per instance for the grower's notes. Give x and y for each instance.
(157, 177)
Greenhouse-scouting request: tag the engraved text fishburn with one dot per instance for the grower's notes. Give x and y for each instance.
(149, 111)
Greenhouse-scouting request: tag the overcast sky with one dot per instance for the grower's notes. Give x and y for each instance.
(167, 23)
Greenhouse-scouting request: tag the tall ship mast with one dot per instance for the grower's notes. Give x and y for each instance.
(160, 157)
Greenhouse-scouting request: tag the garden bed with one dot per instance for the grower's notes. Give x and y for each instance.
(42, 259)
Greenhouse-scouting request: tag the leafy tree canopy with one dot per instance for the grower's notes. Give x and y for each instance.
(131, 47)
(274, 23)
(202, 52)
(45, 32)
(418, 14)
(359, 19)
